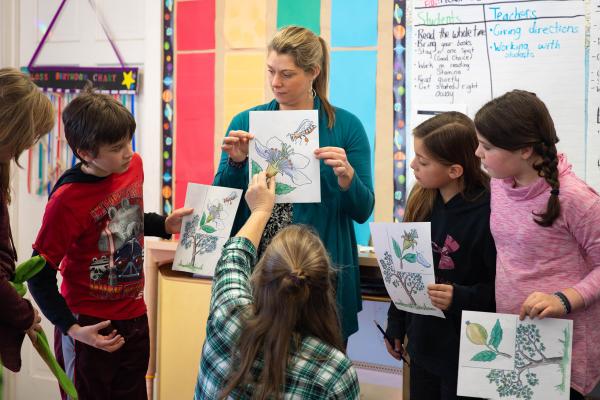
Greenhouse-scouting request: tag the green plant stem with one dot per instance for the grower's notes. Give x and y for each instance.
(498, 351)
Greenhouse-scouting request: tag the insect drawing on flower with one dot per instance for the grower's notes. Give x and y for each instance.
(282, 159)
(216, 215)
(230, 198)
(301, 133)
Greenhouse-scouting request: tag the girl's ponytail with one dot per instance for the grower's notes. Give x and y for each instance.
(293, 298)
(548, 169)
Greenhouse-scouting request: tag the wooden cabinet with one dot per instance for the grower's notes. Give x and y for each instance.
(177, 313)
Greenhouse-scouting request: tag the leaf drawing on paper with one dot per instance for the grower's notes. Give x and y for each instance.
(280, 188)
(409, 242)
(478, 335)
(411, 282)
(531, 353)
(301, 133)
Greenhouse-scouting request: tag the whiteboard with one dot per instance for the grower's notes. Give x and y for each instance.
(593, 132)
(470, 51)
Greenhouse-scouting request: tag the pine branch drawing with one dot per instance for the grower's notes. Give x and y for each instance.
(478, 335)
(530, 353)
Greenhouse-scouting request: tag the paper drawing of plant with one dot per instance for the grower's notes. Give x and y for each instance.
(478, 335)
(301, 133)
(210, 222)
(530, 353)
(411, 282)
(409, 242)
(282, 159)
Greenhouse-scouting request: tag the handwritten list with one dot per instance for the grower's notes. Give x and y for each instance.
(470, 51)
(593, 138)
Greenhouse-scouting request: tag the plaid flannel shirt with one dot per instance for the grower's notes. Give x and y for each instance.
(316, 371)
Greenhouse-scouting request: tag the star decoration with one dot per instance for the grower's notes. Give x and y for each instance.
(128, 79)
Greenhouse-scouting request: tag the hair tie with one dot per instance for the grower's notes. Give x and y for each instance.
(554, 192)
(296, 280)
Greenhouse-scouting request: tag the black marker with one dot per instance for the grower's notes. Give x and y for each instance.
(391, 342)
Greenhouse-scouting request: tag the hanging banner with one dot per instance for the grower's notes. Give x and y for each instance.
(68, 79)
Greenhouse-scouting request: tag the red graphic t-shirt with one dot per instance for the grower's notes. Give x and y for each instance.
(94, 234)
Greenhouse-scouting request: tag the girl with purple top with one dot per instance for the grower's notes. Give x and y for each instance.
(545, 223)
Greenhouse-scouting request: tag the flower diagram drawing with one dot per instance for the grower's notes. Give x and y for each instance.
(205, 231)
(502, 357)
(283, 146)
(405, 258)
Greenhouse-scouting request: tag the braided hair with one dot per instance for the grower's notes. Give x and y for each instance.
(519, 119)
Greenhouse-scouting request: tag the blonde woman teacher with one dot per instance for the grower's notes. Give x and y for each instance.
(298, 68)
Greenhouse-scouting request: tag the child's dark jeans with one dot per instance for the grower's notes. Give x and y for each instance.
(100, 375)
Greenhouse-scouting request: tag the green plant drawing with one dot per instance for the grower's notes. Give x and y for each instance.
(280, 188)
(197, 233)
(411, 282)
(478, 335)
(409, 242)
(530, 353)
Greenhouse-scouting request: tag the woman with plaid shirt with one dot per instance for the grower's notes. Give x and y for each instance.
(273, 330)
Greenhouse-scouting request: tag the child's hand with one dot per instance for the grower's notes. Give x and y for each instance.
(90, 336)
(542, 305)
(398, 351)
(260, 195)
(35, 326)
(440, 295)
(173, 221)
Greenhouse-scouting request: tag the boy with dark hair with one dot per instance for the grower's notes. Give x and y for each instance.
(93, 233)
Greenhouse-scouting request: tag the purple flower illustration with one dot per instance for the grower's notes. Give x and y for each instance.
(281, 158)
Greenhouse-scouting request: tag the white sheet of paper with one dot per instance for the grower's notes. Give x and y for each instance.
(204, 232)
(405, 258)
(500, 354)
(284, 144)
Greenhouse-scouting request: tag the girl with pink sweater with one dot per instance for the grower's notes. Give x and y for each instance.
(546, 225)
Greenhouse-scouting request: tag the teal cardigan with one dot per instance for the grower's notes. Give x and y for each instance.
(333, 217)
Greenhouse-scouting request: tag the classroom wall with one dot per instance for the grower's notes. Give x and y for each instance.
(137, 29)
(231, 36)
(78, 39)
